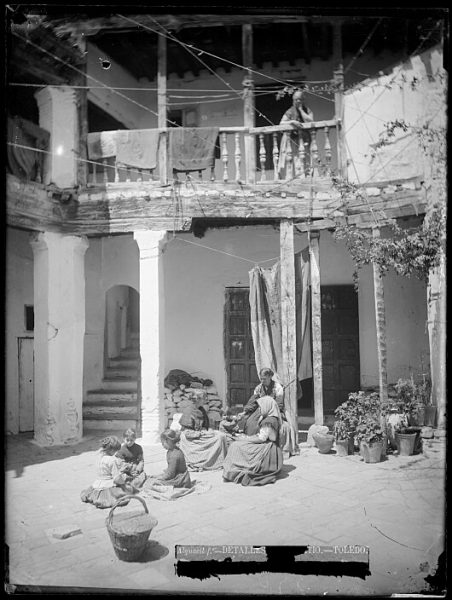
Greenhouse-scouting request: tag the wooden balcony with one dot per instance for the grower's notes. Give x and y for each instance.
(311, 153)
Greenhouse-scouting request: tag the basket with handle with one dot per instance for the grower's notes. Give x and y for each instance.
(130, 532)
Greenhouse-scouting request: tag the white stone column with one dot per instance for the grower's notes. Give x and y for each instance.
(59, 306)
(151, 244)
(58, 115)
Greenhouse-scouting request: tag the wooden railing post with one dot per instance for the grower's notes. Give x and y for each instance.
(327, 150)
(275, 156)
(248, 103)
(314, 154)
(238, 156)
(224, 156)
(301, 155)
(262, 155)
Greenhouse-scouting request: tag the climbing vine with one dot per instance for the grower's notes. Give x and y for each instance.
(410, 251)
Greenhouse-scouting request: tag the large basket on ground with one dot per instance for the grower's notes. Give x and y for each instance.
(129, 532)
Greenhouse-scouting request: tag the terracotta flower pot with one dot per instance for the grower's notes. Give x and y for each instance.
(372, 452)
(405, 443)
(345, 447)
(324, 442)
(430, 416)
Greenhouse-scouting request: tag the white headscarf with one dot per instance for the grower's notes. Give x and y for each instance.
(269, 408)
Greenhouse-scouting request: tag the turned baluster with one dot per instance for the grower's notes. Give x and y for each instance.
(212, 172)
(200, 174)
(94, 172)
(224, 156)
(262, 155)
(116, 172)
(105, 173)
(127, 173)
(314, 154)
(327, 152)
(301, 155)
(238, 157)
(275, 155)
(140, 175)
(289, 160)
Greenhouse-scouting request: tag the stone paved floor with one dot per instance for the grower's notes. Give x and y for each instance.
(395, 507)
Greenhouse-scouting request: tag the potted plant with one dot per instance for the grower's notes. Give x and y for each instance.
(406, 439)
(415, 400)
(370, 436)
(346, 419)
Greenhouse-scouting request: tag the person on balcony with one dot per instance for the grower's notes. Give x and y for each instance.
(297, 114)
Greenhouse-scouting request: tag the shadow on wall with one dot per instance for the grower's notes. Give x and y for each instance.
(21, 450)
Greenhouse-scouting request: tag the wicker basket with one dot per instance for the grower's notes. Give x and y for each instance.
(130, 532)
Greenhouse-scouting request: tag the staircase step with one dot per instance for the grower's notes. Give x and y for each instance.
(110, 424)
(116, 384)
(130, 353)
(107, 397)
(112, 411)
(123, 363)
(129, 372)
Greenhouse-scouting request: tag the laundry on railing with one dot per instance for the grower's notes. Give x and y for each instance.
(102, 144)
(137, 148)
(192, 148)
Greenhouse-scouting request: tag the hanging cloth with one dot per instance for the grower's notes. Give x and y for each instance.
(138, 148)
(303, 314)
(192, 148)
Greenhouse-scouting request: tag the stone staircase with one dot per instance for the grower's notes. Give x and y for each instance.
(114, 407)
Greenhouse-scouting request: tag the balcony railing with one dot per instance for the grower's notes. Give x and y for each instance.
(280, 153)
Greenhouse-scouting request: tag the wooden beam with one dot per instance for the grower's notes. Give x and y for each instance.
(82, 114)
(316, 324)
(288, 324)
(162, 103)
(306, 45)
(248, 103)
(337, 45)
(380, 322)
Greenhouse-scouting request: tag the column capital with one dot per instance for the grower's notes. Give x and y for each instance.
(45, 240)
(55, 94)
(150, 240)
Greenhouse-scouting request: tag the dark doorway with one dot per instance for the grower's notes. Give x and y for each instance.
(241, 371)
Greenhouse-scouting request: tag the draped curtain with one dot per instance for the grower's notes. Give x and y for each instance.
(265, 305)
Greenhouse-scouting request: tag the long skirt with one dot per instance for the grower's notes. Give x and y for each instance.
(252, 463)
(206, 452)
(105, 498)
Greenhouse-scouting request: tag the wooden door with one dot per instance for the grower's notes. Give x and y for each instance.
(26, 384)
(340, 344)
(241, 371)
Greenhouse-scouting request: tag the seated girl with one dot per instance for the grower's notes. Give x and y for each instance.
(176, 473)
(203, 448)
(110, 484)
(131, 455)
(257, 459)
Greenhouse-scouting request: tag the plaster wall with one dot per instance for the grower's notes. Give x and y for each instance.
(413, 92)
(19, 292)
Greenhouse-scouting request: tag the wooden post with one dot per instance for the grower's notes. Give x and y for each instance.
(248, 104)
(162, 104)
(339, 97)
(82, 170)
(316, 325)
(380, 321)
(288, 323)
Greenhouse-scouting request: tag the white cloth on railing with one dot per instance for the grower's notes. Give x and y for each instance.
(102, 144)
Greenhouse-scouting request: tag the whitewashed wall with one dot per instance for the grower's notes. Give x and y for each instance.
(413, 91)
